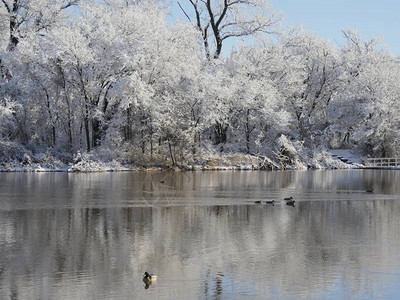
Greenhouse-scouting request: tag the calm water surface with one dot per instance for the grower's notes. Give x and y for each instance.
(92, 236)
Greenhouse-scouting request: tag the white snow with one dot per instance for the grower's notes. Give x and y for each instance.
(349, 155)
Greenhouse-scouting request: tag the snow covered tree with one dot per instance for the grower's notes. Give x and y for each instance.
(7, 109)
(156, 102)
(127, 69)
(32, 15)
(258, 114)
(365, 110)
(317, 74)
(24, 19)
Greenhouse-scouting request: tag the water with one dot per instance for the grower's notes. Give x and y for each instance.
(92, 236)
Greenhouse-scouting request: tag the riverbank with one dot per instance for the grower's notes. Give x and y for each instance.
(335, 159)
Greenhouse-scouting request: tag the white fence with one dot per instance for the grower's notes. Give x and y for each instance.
(382, 162)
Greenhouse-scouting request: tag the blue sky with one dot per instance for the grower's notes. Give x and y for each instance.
(372, 18)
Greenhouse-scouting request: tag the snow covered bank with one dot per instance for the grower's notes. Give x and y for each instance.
(333, 159)
(291, 155)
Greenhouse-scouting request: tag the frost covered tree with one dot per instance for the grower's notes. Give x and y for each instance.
(112, 74)
(25, 16)
(257, 113)
(7, 109)
(24, 19)
(365, 110)
(156, 102)
(310, 81)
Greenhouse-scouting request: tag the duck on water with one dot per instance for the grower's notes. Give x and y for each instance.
(266, 202)
(149, 279)
(290, 201)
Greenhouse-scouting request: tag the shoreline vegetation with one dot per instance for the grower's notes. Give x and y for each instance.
(93, 162)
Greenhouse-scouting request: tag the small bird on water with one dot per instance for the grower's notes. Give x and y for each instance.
(290, 201)
(149, 279)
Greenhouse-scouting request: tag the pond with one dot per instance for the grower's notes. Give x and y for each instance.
(92, 236)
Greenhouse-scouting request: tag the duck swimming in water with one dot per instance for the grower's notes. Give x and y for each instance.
(149, 278)
(290, 201)
(270, 201)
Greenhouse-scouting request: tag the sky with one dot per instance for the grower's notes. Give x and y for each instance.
(326, 19)
(371, 18)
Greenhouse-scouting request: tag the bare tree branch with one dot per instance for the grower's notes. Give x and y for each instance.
(70, 3)
(6, 6)
(187, 16)
(231, 18)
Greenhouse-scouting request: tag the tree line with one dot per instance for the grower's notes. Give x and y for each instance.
(119, 78)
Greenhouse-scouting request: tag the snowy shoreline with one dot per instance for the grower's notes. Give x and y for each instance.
(342, 159)
(152, 169)
(92, 163)
(196, 168)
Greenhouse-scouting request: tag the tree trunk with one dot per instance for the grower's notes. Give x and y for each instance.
(96, 132)
(171, 152)
(143, 142)
(52, 121)
(13, 41)
(151, 139)
(69, 125)
(247, 132)
(128, 127)
(98, 125)
(86, 124)
(220, 130)
(143, 124)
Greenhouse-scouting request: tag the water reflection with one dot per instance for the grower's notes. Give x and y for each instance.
(93, 236)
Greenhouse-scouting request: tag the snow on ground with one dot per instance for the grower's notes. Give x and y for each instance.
(332, 159)
(347, 155)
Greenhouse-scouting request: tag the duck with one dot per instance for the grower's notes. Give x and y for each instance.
(258, 202)
(149, 278)
(290, 201)
(270, 201)
(370, 191)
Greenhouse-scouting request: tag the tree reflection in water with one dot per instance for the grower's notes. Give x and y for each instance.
(208, 241)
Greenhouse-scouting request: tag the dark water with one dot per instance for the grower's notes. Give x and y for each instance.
(92, 236)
